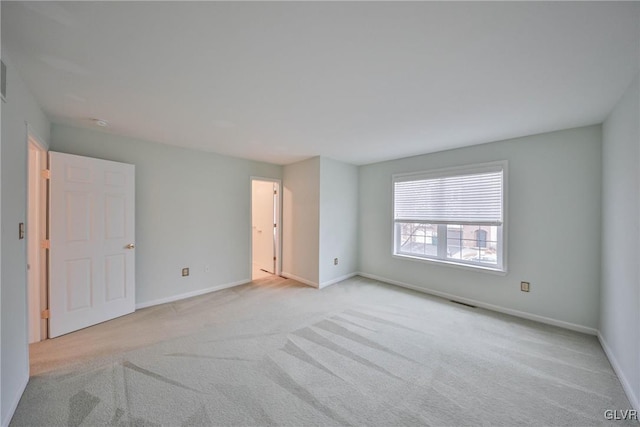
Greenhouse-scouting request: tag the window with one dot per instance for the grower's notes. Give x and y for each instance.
(452, 215)
(481, 238)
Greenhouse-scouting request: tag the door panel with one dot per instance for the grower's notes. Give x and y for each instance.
(114, 216)
(78, 174)
(91, 222)
(79, 284)
(115, 277)
(78, 216)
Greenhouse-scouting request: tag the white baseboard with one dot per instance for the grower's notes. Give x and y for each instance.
(618, 370)
(337, 280)
(299, 279)
(16, 400)
(191, 294)
(512, 312)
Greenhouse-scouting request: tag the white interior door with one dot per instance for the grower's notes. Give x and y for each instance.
(263, 221)
(91, 233)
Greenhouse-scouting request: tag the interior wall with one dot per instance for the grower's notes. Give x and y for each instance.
(553, 228)
(1, 104)
(620, 288)
(338, 220)
(301, 221)
(20, 108)
(192, 210)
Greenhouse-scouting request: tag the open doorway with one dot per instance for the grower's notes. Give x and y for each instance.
(265, 227)
(36, 236)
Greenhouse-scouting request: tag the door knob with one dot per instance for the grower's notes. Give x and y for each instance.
(130, 246)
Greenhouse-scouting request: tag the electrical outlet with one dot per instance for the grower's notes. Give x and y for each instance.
(207, 268)
(185, 272)
(524, 286)
(335, 261)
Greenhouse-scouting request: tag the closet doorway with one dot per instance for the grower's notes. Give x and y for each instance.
(36, 234)
(265, 227)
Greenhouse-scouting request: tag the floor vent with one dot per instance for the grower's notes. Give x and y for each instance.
(462, 303)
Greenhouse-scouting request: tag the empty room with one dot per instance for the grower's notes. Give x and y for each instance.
(303, 213)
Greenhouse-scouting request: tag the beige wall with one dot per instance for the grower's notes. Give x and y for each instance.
(301, 221)
(338, 221)
(552, 229)
(192, 210)
(620, 288)
(19, 112)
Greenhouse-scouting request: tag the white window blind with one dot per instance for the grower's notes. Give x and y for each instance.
(467, 198)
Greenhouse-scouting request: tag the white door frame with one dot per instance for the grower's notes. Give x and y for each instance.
(278, 234)
(36, 233)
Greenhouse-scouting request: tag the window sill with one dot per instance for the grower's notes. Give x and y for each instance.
(478, 268)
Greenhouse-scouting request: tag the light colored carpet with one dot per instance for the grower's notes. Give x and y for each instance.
(357, 353)
(257, 273)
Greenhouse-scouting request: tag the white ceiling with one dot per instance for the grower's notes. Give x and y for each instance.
(355, 81)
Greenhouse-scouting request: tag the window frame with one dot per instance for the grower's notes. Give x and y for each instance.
(501, 268)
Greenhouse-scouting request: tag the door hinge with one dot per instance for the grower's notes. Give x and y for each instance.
(275, 225)
(45, 314)
(45, 244)
(274, 258)
(275, 191)
(46, 174)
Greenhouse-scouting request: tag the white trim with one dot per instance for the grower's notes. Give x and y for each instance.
(191, 294)
(626, 386)
(468, 169)
(300, 279)
(435, 261)
(499, 309)
(31, 133)
(36, 233)
(14, 404)
(337, 280)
